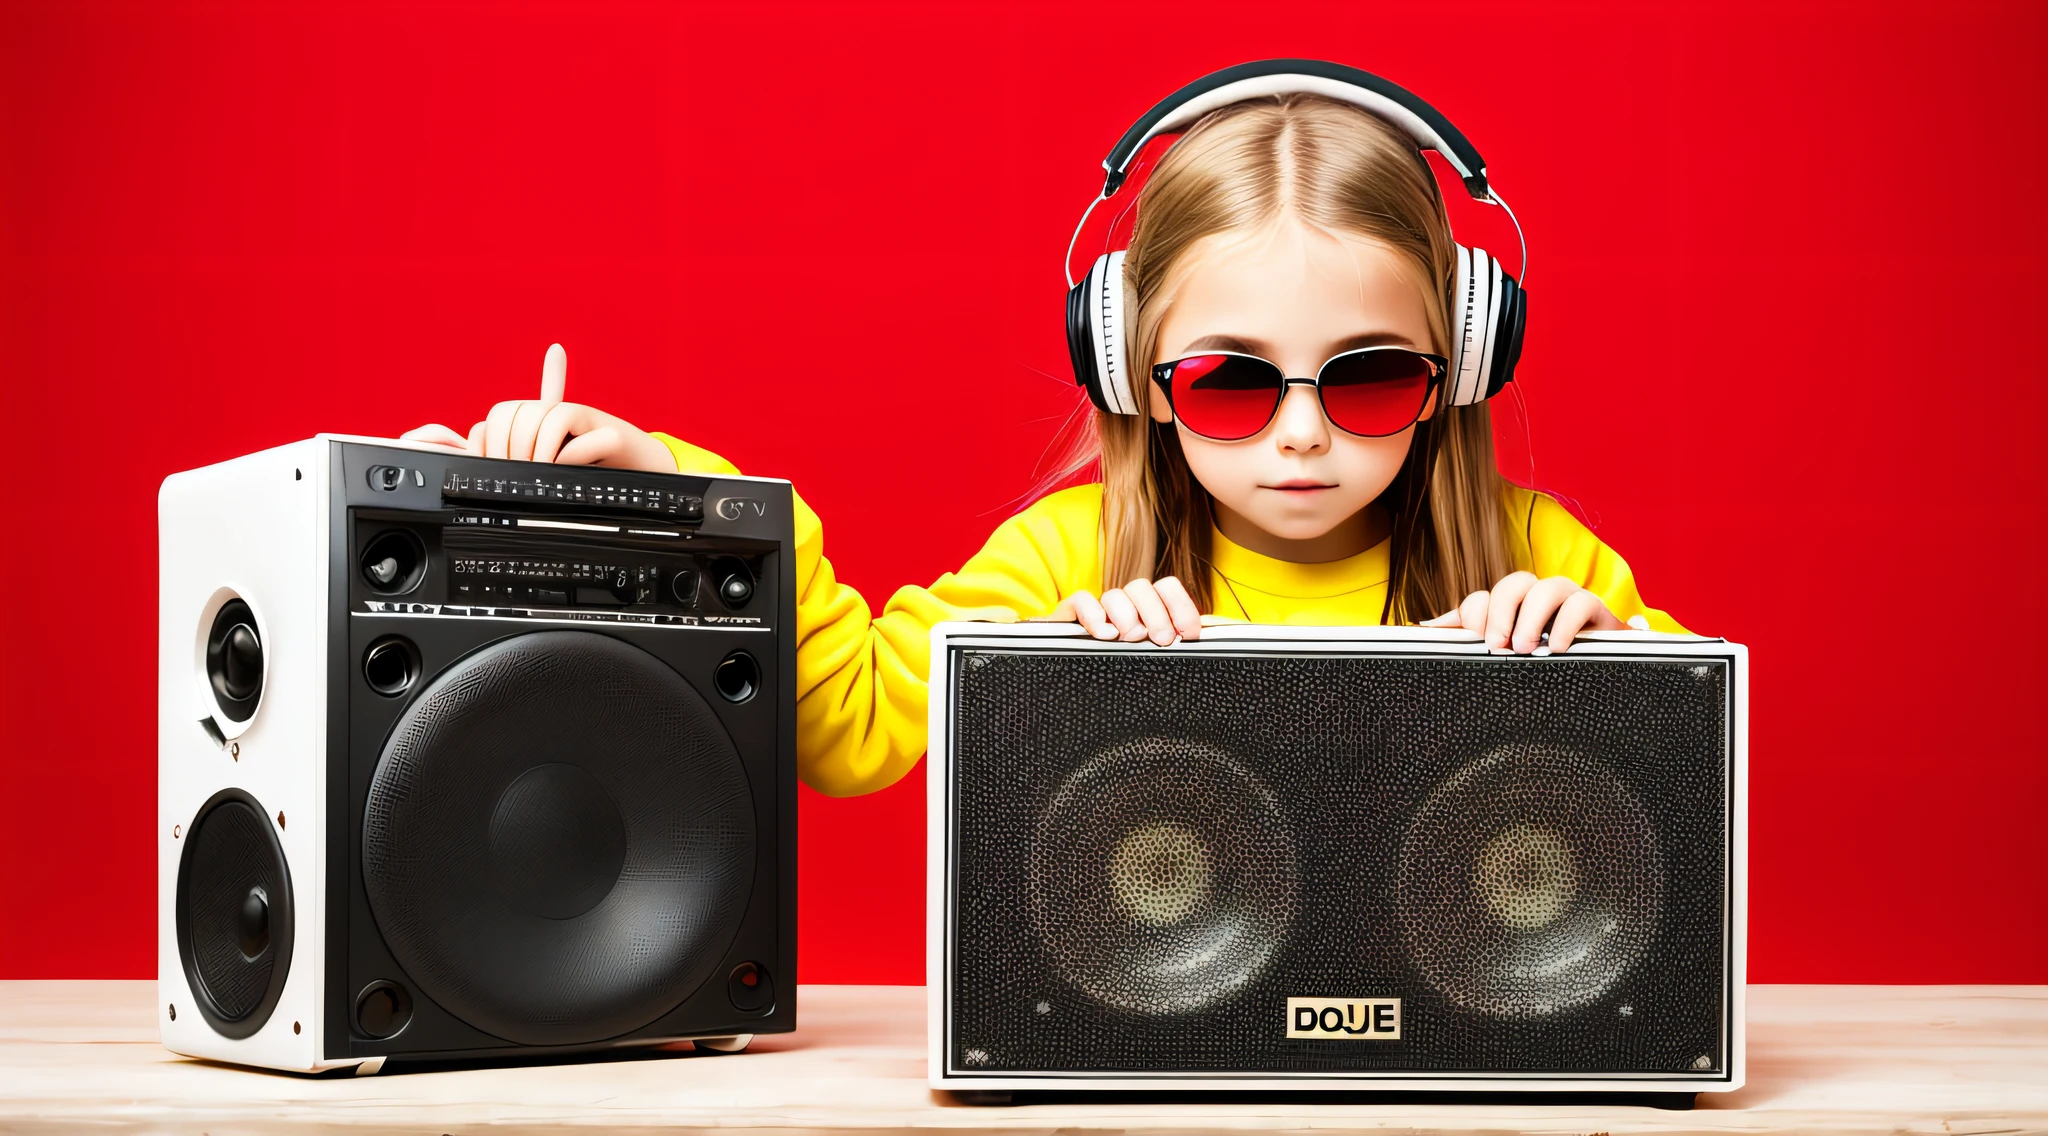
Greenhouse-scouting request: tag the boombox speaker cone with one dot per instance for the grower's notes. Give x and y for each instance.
(1529, 882)
(234, 907)
(558, 843)
(1162, 876)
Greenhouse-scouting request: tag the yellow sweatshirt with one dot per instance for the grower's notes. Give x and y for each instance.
(860, 678)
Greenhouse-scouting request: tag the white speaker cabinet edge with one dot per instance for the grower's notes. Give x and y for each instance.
(256, 529)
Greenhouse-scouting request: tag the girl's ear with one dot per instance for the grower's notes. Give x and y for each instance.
(1162, 411)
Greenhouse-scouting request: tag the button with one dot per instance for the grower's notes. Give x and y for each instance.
(549, 595)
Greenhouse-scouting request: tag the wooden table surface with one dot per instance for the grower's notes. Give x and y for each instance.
(83, 1056)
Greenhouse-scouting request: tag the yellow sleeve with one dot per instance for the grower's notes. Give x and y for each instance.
(860, 678)
(1558, 545)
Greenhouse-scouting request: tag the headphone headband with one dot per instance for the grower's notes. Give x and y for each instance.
(1389, 101)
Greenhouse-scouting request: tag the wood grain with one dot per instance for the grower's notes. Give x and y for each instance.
(79, 1056)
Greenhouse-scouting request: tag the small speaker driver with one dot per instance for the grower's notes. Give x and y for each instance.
(234, 660)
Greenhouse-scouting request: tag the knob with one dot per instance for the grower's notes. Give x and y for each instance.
(736, 590)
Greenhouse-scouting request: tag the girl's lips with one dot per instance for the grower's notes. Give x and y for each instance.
(1298, 485)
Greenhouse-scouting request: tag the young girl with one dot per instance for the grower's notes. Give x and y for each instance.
(1291, 228)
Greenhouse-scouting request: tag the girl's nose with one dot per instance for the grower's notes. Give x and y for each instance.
(1299, 427)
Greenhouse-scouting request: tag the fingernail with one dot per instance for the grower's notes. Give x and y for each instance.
(1540, 652)
(1493, 650)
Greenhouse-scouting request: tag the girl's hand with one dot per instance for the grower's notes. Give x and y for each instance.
(1158, 610)
(1515, 613)
(548, 429)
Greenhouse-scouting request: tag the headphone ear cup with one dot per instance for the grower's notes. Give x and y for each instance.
(1081, 349)
(1095, 340)
(1111, 364)
(1472, 311)
(1507, 334)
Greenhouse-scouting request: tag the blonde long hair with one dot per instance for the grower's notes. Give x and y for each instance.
(1338, 168)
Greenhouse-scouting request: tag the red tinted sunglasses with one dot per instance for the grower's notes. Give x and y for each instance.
(1372, 392)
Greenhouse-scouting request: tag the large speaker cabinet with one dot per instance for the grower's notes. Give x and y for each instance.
(1335, 858)
(465, 758)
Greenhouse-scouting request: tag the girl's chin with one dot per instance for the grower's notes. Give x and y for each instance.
(1303, 523)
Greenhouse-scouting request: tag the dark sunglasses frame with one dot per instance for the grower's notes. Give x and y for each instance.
(1162, 374)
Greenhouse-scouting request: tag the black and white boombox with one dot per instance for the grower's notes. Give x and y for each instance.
(1335, 858)
(461, 757)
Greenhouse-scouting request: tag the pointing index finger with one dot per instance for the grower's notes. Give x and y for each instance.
(554, 375)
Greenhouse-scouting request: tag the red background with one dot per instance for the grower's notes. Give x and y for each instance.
(1787, 271)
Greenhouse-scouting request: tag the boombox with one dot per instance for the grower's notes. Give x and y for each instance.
(471, 758)
(1335, 858)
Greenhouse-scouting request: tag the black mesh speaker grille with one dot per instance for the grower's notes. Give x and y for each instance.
(234, 913)
(558, 843)
(1153, 850)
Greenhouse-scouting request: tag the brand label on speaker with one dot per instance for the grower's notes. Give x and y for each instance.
(1345, 1019)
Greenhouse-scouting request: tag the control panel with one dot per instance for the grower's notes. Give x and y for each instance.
(581, 581)
(636, 500)
(433, 535)
(463, 568)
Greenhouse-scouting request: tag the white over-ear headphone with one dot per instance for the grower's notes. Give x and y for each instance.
(1488, 307)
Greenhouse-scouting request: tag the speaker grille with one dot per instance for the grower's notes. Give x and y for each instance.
(234, 913)
(558, 843)
(1153, 850)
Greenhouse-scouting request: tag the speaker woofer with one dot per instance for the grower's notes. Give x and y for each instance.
(1162, 877)
(1529, 882)
(234, 913)
(558, 843)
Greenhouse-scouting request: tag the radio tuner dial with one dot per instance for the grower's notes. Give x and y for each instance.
(736, 590)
